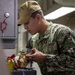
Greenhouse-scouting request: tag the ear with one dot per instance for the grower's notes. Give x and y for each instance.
(38, 17)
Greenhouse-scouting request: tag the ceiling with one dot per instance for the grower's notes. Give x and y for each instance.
(70, 3)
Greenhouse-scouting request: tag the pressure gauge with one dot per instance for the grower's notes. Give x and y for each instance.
(6, 15)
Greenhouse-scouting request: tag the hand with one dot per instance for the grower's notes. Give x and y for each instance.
(15, 62)
(20, 62)
(36, 55)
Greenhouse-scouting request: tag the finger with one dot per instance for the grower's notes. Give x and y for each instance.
(34, 49)
(15, 63)
(29, 57)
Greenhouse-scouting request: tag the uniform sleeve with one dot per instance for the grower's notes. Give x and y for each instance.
(65, 41)
(65, 58)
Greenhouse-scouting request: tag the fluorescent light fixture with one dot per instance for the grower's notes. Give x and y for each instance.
(59, 13)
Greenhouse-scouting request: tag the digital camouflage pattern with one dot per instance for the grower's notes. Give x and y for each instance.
(58, 40)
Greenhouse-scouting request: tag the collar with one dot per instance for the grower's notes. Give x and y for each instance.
(46, 33)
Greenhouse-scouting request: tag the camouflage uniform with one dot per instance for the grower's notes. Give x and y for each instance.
(58, 40)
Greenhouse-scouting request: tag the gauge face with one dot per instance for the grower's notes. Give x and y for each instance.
(6, 15)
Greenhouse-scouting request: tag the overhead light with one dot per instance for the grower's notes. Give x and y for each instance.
(59, 13)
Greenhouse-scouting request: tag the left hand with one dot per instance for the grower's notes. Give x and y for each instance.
(36, 55)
